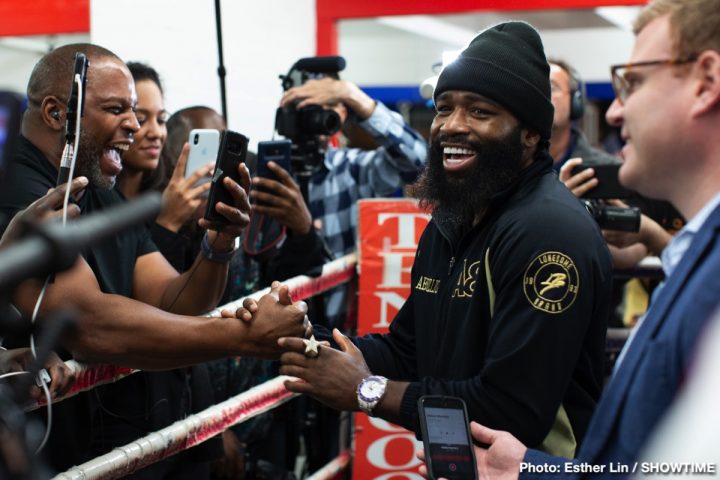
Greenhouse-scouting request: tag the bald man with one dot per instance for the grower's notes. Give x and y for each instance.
(133, 308)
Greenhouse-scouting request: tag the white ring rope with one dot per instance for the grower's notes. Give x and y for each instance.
(183, 434)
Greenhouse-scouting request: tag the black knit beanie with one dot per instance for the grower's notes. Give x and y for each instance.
(506, 63)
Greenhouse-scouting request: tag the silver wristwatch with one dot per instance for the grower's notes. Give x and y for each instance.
(370, 391)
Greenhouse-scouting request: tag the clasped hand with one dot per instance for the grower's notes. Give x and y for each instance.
(331, 377)
(274, 316)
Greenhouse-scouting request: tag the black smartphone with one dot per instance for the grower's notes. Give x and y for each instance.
(608, 182)
(231, 153)
(278, 151)
(10, 116)
(446, 438)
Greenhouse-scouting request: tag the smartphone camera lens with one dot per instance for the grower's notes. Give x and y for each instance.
(196, 139)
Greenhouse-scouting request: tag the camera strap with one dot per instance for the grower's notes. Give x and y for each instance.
(264, 237)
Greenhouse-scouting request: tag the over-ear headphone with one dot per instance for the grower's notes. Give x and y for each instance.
(577, 95)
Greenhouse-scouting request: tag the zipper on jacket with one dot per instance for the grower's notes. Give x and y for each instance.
(450, 267)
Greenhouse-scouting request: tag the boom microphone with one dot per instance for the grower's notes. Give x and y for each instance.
(51, 247)
(79, 76)
(320, 64)
(75, 107)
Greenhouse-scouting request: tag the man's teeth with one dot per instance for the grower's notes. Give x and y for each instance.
(457, 151)
(123, 147)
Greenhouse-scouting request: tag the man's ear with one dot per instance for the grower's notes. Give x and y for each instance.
(529, 138)
(52, 111)
(706, 75)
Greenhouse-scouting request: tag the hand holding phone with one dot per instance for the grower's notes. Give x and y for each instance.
(232, 152)
(277, 151)
(446, 438)
(607, 184)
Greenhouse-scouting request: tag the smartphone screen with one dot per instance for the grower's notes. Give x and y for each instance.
(273, 151)
(446, 438)
(608, 182)
(232, 152)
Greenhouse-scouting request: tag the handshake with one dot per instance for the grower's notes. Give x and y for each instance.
(265, 321)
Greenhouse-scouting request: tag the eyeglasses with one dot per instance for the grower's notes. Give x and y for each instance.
(624, 83)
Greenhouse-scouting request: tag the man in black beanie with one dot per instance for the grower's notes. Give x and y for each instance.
(507, 307)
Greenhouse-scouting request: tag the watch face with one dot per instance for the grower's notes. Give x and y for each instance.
(369, 389)
(372, 389)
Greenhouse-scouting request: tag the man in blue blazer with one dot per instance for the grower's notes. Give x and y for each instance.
(668, 107)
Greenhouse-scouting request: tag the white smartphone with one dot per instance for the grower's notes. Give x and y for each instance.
(204, 145)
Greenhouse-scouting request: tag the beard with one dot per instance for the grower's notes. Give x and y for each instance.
(456, 198)
(88, 162)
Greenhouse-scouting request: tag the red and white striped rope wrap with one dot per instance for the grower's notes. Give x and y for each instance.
(183, 434)
(334, 467)
(87, 377)
(333, 274)
(301, 287)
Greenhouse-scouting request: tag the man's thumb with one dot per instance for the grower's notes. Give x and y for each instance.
(343, 342)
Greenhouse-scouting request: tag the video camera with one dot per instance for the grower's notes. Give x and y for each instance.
(609, 217)
(304, 126)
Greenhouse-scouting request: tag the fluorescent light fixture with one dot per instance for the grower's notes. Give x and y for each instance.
(430, 27)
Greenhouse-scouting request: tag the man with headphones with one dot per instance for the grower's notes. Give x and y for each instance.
(567, 141)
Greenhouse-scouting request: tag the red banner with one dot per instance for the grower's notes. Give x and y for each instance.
(389, 232)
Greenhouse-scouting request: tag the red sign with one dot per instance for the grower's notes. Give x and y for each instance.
(389, 232)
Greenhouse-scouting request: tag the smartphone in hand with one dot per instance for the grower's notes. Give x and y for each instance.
(232, 152)
(446, 438)
(278, 151)
(608, 182)
(204, 144)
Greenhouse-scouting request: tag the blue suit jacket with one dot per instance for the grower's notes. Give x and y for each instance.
(654, 365)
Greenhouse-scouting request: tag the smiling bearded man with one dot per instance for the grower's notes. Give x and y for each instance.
(508, 302)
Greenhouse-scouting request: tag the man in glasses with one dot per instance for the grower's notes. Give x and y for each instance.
(668, 107)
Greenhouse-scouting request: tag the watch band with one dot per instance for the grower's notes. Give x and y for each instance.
(213, 255)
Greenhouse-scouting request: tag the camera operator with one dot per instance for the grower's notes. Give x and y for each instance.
(631, 236)
(569, 148)
(349, 174)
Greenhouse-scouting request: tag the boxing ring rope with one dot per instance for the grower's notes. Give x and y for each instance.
(333, 467)
(201, 426)
(301, 287)
(183, 434)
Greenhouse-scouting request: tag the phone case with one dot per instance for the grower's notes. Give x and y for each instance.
(204, 145)
(278, 151)
(457, 405)
(232, 152)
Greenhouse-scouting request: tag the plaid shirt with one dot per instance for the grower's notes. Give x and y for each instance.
(350, 174)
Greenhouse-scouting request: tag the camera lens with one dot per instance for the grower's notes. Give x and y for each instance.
(196, 139)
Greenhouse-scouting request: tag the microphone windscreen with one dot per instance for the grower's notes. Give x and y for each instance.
(321, 64)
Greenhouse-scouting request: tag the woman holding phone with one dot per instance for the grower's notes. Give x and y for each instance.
(161, 398)
(181, 198)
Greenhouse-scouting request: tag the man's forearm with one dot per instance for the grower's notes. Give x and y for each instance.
(141, 336)
(198, 290)
(390, 406)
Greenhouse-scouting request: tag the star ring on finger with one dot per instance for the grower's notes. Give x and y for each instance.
(312, 347)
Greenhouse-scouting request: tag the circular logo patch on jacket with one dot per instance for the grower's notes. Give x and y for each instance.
(551, 282)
